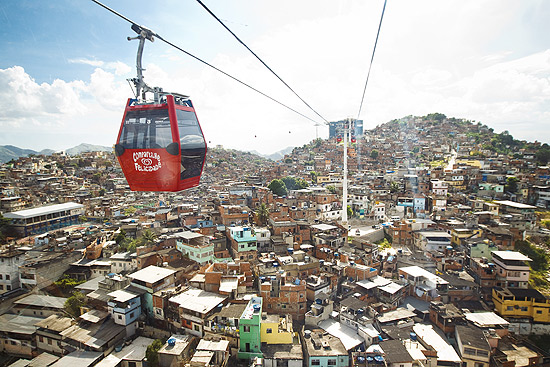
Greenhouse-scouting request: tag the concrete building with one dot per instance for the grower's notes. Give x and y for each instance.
(243, 243)
(250, 330)
(46, 218)
(472, 346)
(195, 245)
(521, 304)
(194, 306)
(512, 269)
(152, 279)
(10, 261)
(324, 350)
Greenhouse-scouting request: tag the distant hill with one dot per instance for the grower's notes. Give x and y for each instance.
(9, 152)
(82, 148)
(274, 156)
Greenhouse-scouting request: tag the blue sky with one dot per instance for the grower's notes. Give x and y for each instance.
(65, 63)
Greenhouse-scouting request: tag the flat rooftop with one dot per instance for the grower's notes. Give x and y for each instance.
(43, 210)
(515, 204)
(151, 274)
(198, 300)
(511, 255)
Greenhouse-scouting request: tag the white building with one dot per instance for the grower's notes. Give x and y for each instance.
(9, 270)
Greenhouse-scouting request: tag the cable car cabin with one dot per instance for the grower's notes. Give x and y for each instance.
(338, 138)
(353, 140)
(160, 147)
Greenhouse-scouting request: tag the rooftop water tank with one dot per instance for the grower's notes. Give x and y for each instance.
(171, 342)
(412, 336)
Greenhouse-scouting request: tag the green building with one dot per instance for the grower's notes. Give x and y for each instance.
(249, 330)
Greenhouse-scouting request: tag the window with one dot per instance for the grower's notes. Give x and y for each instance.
(41, 339)
(1, 287)
(315, 362)
(332, 362)
(0, 276)
(246, 328)
(49, 341)
(483, 353)
(119, 317)
(268, 330)
(470, 351)
(510, 308)
(197, 328)
(7, 277)
(539, 312)
(524, 309)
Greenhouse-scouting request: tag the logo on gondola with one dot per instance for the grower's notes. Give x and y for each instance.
(147, 161)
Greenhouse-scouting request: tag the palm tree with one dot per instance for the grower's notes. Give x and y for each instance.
(262, 213)
(149, 237)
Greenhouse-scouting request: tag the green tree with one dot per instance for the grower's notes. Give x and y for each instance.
(151, 353)
(293, 183)
(66, 283)
(73, 304)
(394, 186)
(539, 256)
(6, 228)
(331, 189)
(130, 211)
(148, 237)
(262, 213)
(543, 154)
(278, 187)
(120, 237)
(511, 184)
(374, 154)
(350, 211)
(313, 176)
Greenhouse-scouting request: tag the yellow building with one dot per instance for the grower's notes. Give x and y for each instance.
(469, 162)
(275, 329)
(458, 234)
(522, 304)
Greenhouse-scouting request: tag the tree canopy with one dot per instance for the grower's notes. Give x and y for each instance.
(262, 213)
(293, 183)
(278, 187)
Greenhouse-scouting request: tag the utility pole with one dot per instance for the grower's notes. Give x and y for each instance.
(347, 126)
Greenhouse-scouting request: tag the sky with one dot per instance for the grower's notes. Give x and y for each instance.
(64, 66)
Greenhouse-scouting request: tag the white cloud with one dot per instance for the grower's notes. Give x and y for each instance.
(21, 97)
(119, 67)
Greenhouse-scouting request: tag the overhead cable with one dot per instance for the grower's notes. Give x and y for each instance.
(259, 59)
(204, 62)
(371, 59)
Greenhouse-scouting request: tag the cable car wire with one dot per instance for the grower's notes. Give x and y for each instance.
(259, 59)
(204, 62)
(371, 59)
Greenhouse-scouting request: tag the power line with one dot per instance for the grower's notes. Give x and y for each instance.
(202, 61)
(259, 59)
(371, 59)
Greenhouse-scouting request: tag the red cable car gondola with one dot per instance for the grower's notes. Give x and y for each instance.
(353, 140)
(339, 139)
(160, 145)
